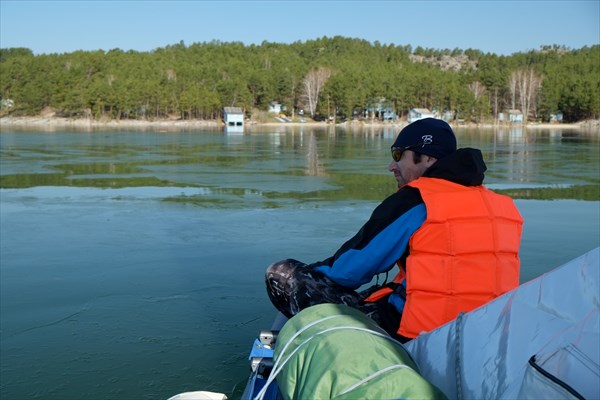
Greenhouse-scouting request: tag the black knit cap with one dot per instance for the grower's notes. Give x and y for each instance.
(430, 136)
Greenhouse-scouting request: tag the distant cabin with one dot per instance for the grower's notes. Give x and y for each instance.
(556, 118)
(233, 116)
(7, 103)
(513, 116)
(415, 114)
(275, 108)
(448, 115)
(381, 109)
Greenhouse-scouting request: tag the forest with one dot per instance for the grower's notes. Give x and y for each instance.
(327, 77)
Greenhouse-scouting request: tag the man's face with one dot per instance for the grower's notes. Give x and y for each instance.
(406, 170)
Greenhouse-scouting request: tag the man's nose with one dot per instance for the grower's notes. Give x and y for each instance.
(392, 166)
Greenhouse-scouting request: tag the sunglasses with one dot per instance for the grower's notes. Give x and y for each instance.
(397, 151)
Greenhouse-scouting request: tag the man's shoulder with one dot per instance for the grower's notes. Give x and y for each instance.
(404, 199)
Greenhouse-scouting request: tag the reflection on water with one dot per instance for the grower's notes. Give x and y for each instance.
(314, 167)
(270, 161)
(132, 262)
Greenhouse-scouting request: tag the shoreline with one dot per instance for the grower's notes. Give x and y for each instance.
(52, 123)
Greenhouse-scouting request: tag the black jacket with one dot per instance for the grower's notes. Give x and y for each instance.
(383, 239)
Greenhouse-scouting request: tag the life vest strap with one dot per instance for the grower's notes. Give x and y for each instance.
(392, 287)
(379, 294)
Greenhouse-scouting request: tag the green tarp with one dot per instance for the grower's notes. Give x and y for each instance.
(334, 351)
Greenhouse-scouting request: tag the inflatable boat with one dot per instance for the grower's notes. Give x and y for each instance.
(541, 340)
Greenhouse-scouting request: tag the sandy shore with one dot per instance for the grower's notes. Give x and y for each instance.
(53, 123)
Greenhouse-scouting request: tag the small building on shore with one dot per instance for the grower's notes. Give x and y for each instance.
(512, 116)
(276, 108)
(556, 118)
(6, 104)
(415, 114)
(381, 109)
(233, 116)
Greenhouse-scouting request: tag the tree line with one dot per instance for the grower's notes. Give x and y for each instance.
(326, 76)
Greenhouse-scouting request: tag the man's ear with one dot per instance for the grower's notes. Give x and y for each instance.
(429, 161)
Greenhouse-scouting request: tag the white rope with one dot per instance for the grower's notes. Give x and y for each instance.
(274, 372)
(373, 375)
(277, 367)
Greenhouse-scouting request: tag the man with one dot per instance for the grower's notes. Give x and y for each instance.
(455, 242)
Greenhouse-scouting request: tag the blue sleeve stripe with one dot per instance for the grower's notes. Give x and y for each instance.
(357, 267)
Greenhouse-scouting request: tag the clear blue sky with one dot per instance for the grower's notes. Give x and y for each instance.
(501, 27)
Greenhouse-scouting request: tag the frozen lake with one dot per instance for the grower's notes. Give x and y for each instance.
(132, 262)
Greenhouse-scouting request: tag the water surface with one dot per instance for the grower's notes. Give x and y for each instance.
(132, 262)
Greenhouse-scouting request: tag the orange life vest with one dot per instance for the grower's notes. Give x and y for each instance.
(464, 255)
